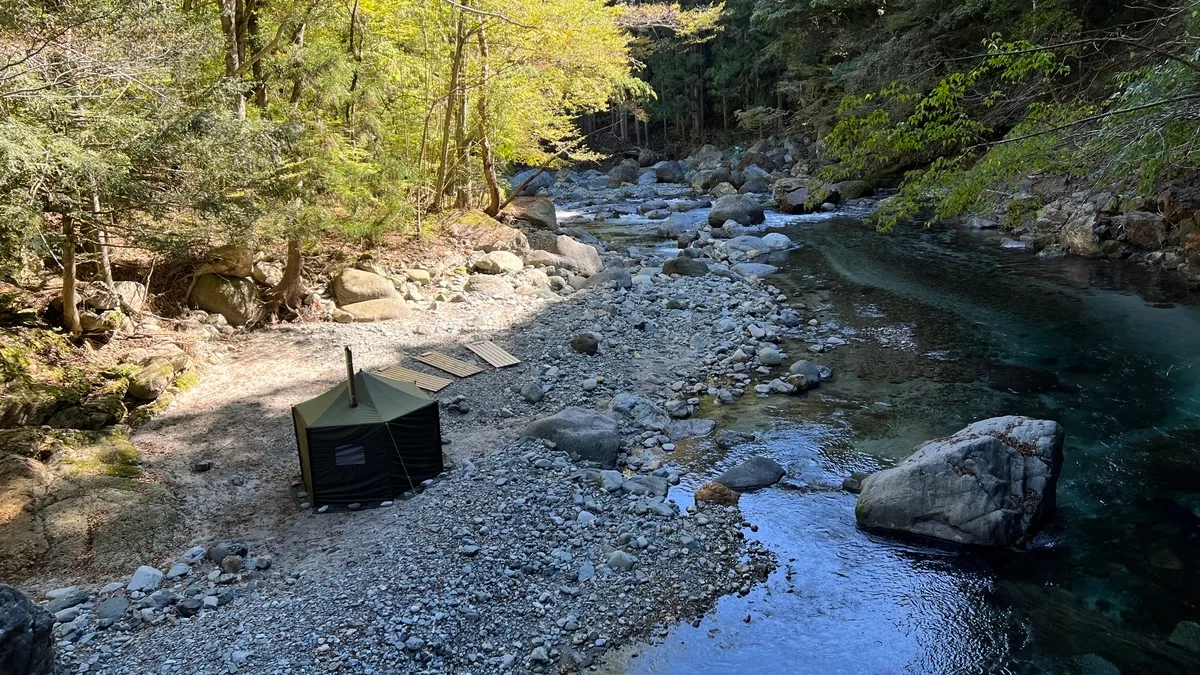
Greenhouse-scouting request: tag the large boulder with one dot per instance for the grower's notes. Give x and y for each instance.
(26, 635)
(685, 267)
(669, 172)
(235, 298)
(152, 379)
(646, 157)
(755, 185)
(990, 484)
(354, 285)
(742, 209)
(1147, 231)
(756, 472)
(380, 309)
(1074, 225)
(611, 275)
(498, 262)
(585, 434)
(132, 294)
(542, 179)
(486, 234)
(583, 258)
(709, 156)
(706, 179)
(537, 211)
(623, 173)
(854, 189)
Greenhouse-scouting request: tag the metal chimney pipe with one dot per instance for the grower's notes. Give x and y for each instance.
(350, 377)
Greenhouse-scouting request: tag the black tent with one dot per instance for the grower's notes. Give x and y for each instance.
(367, 442)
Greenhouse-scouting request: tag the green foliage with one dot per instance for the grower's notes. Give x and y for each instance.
(327, 116)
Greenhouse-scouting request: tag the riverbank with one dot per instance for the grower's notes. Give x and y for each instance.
(521, 518)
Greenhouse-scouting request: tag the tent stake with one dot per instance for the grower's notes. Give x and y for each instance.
(350, 378)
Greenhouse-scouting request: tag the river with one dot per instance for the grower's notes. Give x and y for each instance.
(945, 328)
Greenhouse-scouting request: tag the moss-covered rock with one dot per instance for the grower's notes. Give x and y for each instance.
(234, 298)
(152, 379)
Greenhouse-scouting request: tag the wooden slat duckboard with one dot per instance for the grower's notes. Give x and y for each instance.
(422, 380)
(449, 364)
(488, 351)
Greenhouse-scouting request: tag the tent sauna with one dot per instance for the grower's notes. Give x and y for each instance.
(369, 439)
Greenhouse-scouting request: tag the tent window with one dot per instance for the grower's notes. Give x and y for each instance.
(349, 455)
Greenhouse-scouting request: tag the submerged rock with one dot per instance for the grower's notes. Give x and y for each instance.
(990, 484)
(756, 472)
(717, 494)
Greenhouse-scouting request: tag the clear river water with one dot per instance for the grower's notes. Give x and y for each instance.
(945, 328)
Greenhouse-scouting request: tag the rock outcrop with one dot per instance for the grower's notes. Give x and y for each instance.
(990, 484)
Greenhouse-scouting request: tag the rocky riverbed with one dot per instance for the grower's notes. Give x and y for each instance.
(524, 555)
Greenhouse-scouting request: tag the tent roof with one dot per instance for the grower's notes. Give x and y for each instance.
(380, 399)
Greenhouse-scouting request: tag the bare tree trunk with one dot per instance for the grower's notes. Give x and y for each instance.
(230, 15)
(288, 293)
(459, 182)
(356, 54)
(252, 38)
(440, 189)
(70, 309)
(485, 145)
(102, 242)
(298, 81)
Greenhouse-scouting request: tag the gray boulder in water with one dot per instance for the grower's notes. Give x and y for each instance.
(742, 209)
(756, 472)
(582, 433)
(990, 484)
(26, 635)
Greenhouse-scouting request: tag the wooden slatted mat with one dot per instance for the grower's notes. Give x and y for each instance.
(422, 380)
(449, 364)
(488, 351)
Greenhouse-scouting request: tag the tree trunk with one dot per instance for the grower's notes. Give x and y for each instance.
(485, 145)
(355, 54)
(102, 242)
(255, 43)
(458, 184)
(298, 80)
(288, 293)
(70, 309)
(452, 91)
(230, 14)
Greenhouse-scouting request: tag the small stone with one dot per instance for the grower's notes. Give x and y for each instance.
(469, 551)
(620, 561)
(586, 517)
(585, 344)
(202, 466)
(587, 571)
(532, 392)
(232, 564)
(414, 643)
(189, 607)
(589, 384)
(178, 570)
